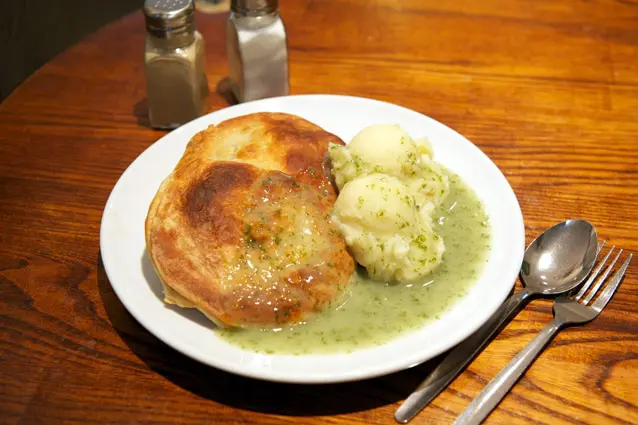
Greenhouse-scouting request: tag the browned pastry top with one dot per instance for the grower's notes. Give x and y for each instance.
(241, 230)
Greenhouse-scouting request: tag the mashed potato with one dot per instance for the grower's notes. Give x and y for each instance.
(388, 149)
(376, 149)
(389, 185)
(385, 229)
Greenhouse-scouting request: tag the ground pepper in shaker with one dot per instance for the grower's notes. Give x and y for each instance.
(257, 50)
(176, 84)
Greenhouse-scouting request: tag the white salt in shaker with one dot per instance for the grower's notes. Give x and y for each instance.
(257, 50)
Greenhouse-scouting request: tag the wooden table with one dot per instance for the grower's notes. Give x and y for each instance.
(548, 89)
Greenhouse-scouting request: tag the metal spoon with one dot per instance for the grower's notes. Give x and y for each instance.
(554, 263)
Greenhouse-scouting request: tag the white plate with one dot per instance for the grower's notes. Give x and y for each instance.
(134, 281)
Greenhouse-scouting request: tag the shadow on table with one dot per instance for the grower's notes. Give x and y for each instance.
(250, 394)
(224, 88)
(140, 111)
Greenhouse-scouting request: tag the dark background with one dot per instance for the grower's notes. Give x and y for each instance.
(32, 32)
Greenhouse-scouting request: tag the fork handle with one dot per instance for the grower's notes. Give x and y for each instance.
(459, 357)
(494, 392)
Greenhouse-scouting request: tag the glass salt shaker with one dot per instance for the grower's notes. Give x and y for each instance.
(176, 83)
(257, 50)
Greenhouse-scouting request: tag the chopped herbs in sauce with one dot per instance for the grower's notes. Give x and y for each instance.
(375, 312)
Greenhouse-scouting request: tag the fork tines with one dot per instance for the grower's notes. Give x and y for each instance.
(611, 287)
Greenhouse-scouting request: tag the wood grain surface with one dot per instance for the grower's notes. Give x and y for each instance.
(547, 88)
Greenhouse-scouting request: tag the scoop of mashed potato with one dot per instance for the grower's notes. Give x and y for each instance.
(389, 186)
(386, 230)
(376, 149)
(388, 149)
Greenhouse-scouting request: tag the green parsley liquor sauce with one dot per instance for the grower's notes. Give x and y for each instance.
(375, 312)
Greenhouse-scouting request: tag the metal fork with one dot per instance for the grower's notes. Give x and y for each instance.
(568, 310)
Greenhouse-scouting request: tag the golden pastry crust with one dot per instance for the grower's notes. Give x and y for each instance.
(241, 230)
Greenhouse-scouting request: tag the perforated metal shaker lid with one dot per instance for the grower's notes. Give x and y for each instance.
(169, 15)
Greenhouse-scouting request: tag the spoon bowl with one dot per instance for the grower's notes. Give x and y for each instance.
(560, 258)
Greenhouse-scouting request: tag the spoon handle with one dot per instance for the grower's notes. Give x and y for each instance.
(459, 357)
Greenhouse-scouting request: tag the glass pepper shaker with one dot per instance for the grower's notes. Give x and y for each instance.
(176, 83)
(257, 50)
